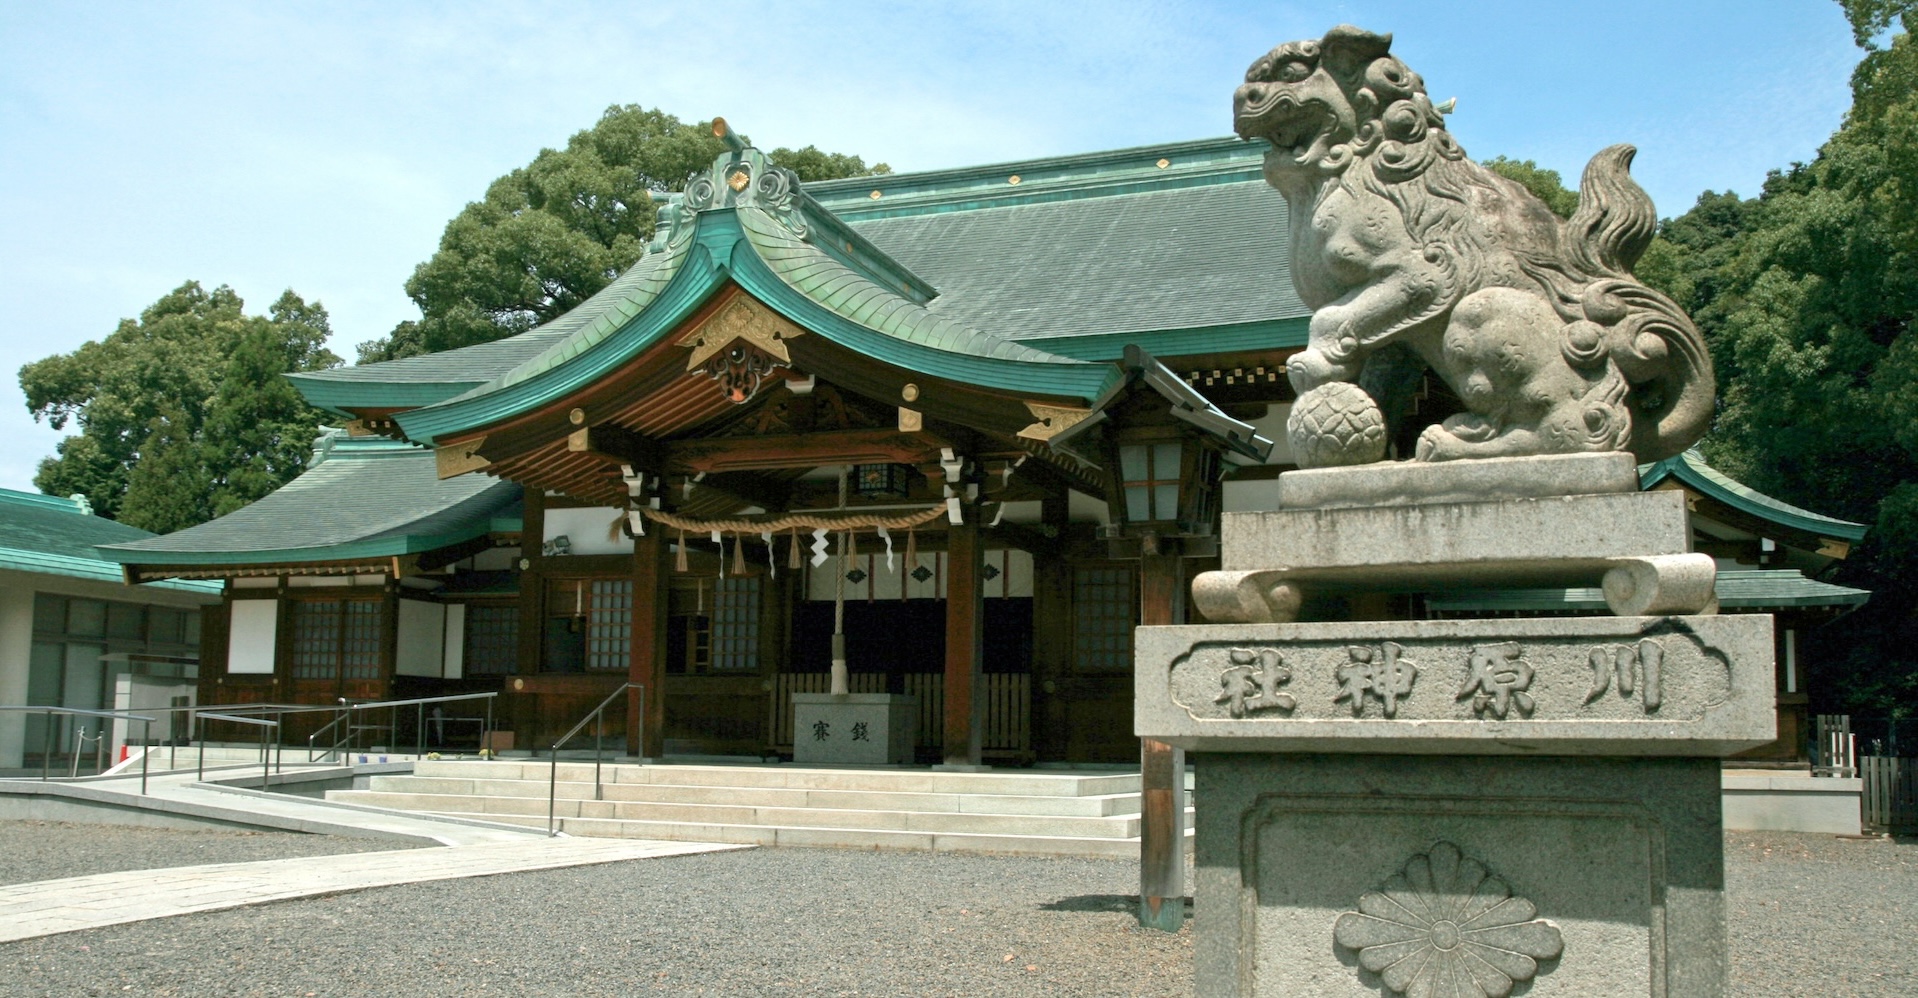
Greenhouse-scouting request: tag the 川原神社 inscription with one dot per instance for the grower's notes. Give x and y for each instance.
(1638, 677)
(1451, 679)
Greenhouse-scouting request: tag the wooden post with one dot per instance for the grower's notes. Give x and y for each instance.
(965, 640)
(522, 707)
(646, 650)
(1051, 638)
(1161, 769)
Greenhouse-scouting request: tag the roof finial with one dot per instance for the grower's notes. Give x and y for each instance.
(725, 133)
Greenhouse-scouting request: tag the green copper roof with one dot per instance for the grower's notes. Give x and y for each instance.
(52, 536)
(1759, 589)
(1082, 256)
(1187, 260)
(1691, 469)
(761, 245)
(363, 497)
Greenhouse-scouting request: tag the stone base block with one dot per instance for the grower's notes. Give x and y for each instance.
(1405, 483)
(1342, 876)
(872, 729)
(1506, 542)
(1780, 802)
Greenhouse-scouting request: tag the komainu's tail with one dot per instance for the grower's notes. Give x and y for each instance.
(1615, 220)
(1650, 338)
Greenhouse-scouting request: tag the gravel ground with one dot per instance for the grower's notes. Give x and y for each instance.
(49, 850)
(1810, 915)
(1817, 915)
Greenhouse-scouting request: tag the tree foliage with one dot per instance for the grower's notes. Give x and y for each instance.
(550, 234)
(1806, 294)
(1544, 184)
(183, 414)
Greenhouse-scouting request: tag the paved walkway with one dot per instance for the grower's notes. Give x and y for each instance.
(180, 794)
(54, 906)
(468, 848)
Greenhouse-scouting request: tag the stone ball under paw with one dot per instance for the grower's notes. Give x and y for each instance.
(1334, 425)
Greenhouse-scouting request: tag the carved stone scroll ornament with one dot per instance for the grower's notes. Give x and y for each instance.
(1444, 925)
(1405, 249)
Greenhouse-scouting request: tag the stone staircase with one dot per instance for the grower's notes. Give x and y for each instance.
(1025, 811)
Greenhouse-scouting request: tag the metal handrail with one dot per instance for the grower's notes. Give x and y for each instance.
(267, 730)
(346, 706)
(46, 748)
(597, 715)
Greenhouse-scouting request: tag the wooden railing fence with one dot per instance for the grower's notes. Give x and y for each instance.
(1837, 747)
(1890, 802)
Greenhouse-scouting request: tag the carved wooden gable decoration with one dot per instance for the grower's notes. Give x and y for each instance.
(740, 345)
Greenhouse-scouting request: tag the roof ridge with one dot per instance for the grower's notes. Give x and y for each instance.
(74, 504)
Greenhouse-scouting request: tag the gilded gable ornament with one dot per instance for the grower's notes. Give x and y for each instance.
(739, 347)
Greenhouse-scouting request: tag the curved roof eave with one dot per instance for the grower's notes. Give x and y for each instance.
(721, 248)
(1691, 469)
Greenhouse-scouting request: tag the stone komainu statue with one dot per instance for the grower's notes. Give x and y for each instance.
(1398, 239)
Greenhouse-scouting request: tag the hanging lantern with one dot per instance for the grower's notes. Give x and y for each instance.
(882, 481)
(1169, 481)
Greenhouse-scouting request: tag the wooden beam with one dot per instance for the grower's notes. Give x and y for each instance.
(1025, 537)
(809, 450)
(750, 489)
(616, 445)
(965, 641)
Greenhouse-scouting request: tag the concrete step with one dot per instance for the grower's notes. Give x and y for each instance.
(1011, 782)
(1089, 806)
(936, 822)
(851, 838)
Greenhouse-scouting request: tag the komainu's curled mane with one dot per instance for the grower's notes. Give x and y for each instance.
(1398, 238)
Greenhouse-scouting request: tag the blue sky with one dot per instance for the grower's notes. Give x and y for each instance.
(323, 147)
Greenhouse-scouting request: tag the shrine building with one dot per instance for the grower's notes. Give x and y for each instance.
(979, 423)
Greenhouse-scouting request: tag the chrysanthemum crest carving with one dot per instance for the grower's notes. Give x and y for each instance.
(1444, 925)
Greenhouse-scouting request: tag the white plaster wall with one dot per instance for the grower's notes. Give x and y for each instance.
(421, 638)
(16, 646)
(453, 659)
(142, 693)
(1271, 426)
(250, 637)
(1081, 508)
(586, 530)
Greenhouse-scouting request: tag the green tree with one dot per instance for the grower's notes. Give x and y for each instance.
(1806, 294)
(1546, 185)
(183, 413)
(550, 234)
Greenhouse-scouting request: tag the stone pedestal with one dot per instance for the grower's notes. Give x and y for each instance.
(1459, 807)
(1347, 876)
(854, 728)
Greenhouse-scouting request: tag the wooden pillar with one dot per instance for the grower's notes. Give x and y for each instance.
(646, 649)
(1161, 769)
(965, 640)
(523, 708)
(1051, 637)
